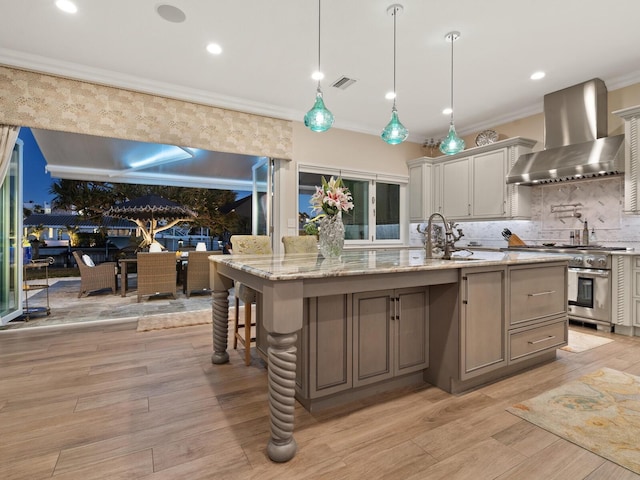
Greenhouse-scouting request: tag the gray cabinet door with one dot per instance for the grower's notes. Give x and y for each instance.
(390, 334)
(329, 345)
(372, 336)
(483, 346)
(456, 182)
(411, 328)
(488, 186)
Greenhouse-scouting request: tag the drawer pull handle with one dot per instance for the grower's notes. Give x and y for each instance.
(549, 292)
(550, 337)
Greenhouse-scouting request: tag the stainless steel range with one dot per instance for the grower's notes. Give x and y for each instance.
(589, 288)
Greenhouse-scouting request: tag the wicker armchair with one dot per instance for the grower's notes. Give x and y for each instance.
(300, 244)
(246, 244)
(197, 277)
(99, 277)
(156, 273)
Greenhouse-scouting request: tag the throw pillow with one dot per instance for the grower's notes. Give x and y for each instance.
(88, 261)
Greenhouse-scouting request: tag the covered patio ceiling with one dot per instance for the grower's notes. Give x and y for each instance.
(78, 156)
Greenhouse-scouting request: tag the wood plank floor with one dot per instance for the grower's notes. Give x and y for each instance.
(107, 402)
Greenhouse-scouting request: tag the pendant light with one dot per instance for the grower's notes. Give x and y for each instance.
(452, 143)
(318, 119)
(394, 133)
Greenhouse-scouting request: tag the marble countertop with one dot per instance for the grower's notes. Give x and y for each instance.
(625, 252)
(364, 262)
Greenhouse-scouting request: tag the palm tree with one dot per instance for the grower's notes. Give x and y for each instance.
(89, 199)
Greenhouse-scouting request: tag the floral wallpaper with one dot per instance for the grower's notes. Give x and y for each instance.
(45, 101)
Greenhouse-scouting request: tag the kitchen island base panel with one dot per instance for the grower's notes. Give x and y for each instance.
(220, 330)
(411, 381)
(456, 387)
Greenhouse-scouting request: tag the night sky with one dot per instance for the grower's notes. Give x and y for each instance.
(36, 182)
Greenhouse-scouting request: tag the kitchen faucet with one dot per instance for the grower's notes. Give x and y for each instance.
(449, 240)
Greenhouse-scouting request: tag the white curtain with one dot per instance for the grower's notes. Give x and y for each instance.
(8, 137)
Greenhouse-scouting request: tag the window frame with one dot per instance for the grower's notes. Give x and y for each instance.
(373, 179)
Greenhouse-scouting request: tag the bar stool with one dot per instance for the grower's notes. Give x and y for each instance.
(244, 245)
(300, 244)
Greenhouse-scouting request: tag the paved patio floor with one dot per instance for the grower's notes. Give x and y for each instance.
(67, 308)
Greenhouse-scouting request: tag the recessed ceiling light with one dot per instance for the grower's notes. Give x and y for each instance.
(171, 14)
(317, 75)
(214, 49)
(537, 75)
(390, 95)
(67, 6)
(447, 111)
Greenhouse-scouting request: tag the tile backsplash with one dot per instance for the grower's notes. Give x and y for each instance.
(557, 209)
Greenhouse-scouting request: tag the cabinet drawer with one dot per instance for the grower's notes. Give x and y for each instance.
(537, 293)
(527, 342)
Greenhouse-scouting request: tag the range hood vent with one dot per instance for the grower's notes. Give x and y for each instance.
(575, 141)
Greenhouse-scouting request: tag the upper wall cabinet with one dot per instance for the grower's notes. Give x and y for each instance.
(470, 185)
(631, 118)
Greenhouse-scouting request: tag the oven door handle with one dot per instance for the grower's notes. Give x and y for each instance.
(586, 272)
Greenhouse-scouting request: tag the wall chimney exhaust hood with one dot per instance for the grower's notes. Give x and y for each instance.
(575, 139)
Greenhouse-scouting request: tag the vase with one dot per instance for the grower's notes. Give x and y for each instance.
(331, 236)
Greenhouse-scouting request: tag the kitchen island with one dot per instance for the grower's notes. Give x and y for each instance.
(339, 329)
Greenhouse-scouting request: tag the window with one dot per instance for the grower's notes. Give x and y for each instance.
(387, 211)
(376, 214)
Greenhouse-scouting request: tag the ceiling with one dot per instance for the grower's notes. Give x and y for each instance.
(270, 50)
(81, 157)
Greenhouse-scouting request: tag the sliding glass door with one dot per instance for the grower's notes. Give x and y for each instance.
(262, 198)
(10, 239)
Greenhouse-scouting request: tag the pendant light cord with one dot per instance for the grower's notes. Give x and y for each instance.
(395, 15)
(453, 39)
(319, 71)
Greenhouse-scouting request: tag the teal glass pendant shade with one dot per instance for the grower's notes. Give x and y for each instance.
(452, 143)
(318, 119)
(394, 133)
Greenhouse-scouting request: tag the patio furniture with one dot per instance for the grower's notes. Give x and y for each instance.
(97, 277)
(156, 274)
(28, 286)
(300, 244)
(241, 245)
(124, 273)
(197, 272)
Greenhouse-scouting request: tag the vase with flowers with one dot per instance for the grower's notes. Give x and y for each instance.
(330, 201)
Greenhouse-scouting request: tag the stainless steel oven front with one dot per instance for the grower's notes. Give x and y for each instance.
(589, 292)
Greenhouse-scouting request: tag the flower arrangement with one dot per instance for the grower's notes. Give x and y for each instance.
(330, 199)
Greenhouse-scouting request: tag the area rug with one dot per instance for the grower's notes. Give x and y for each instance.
(581, 342)
(179, 319)
(599, 412)
(174, 320)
